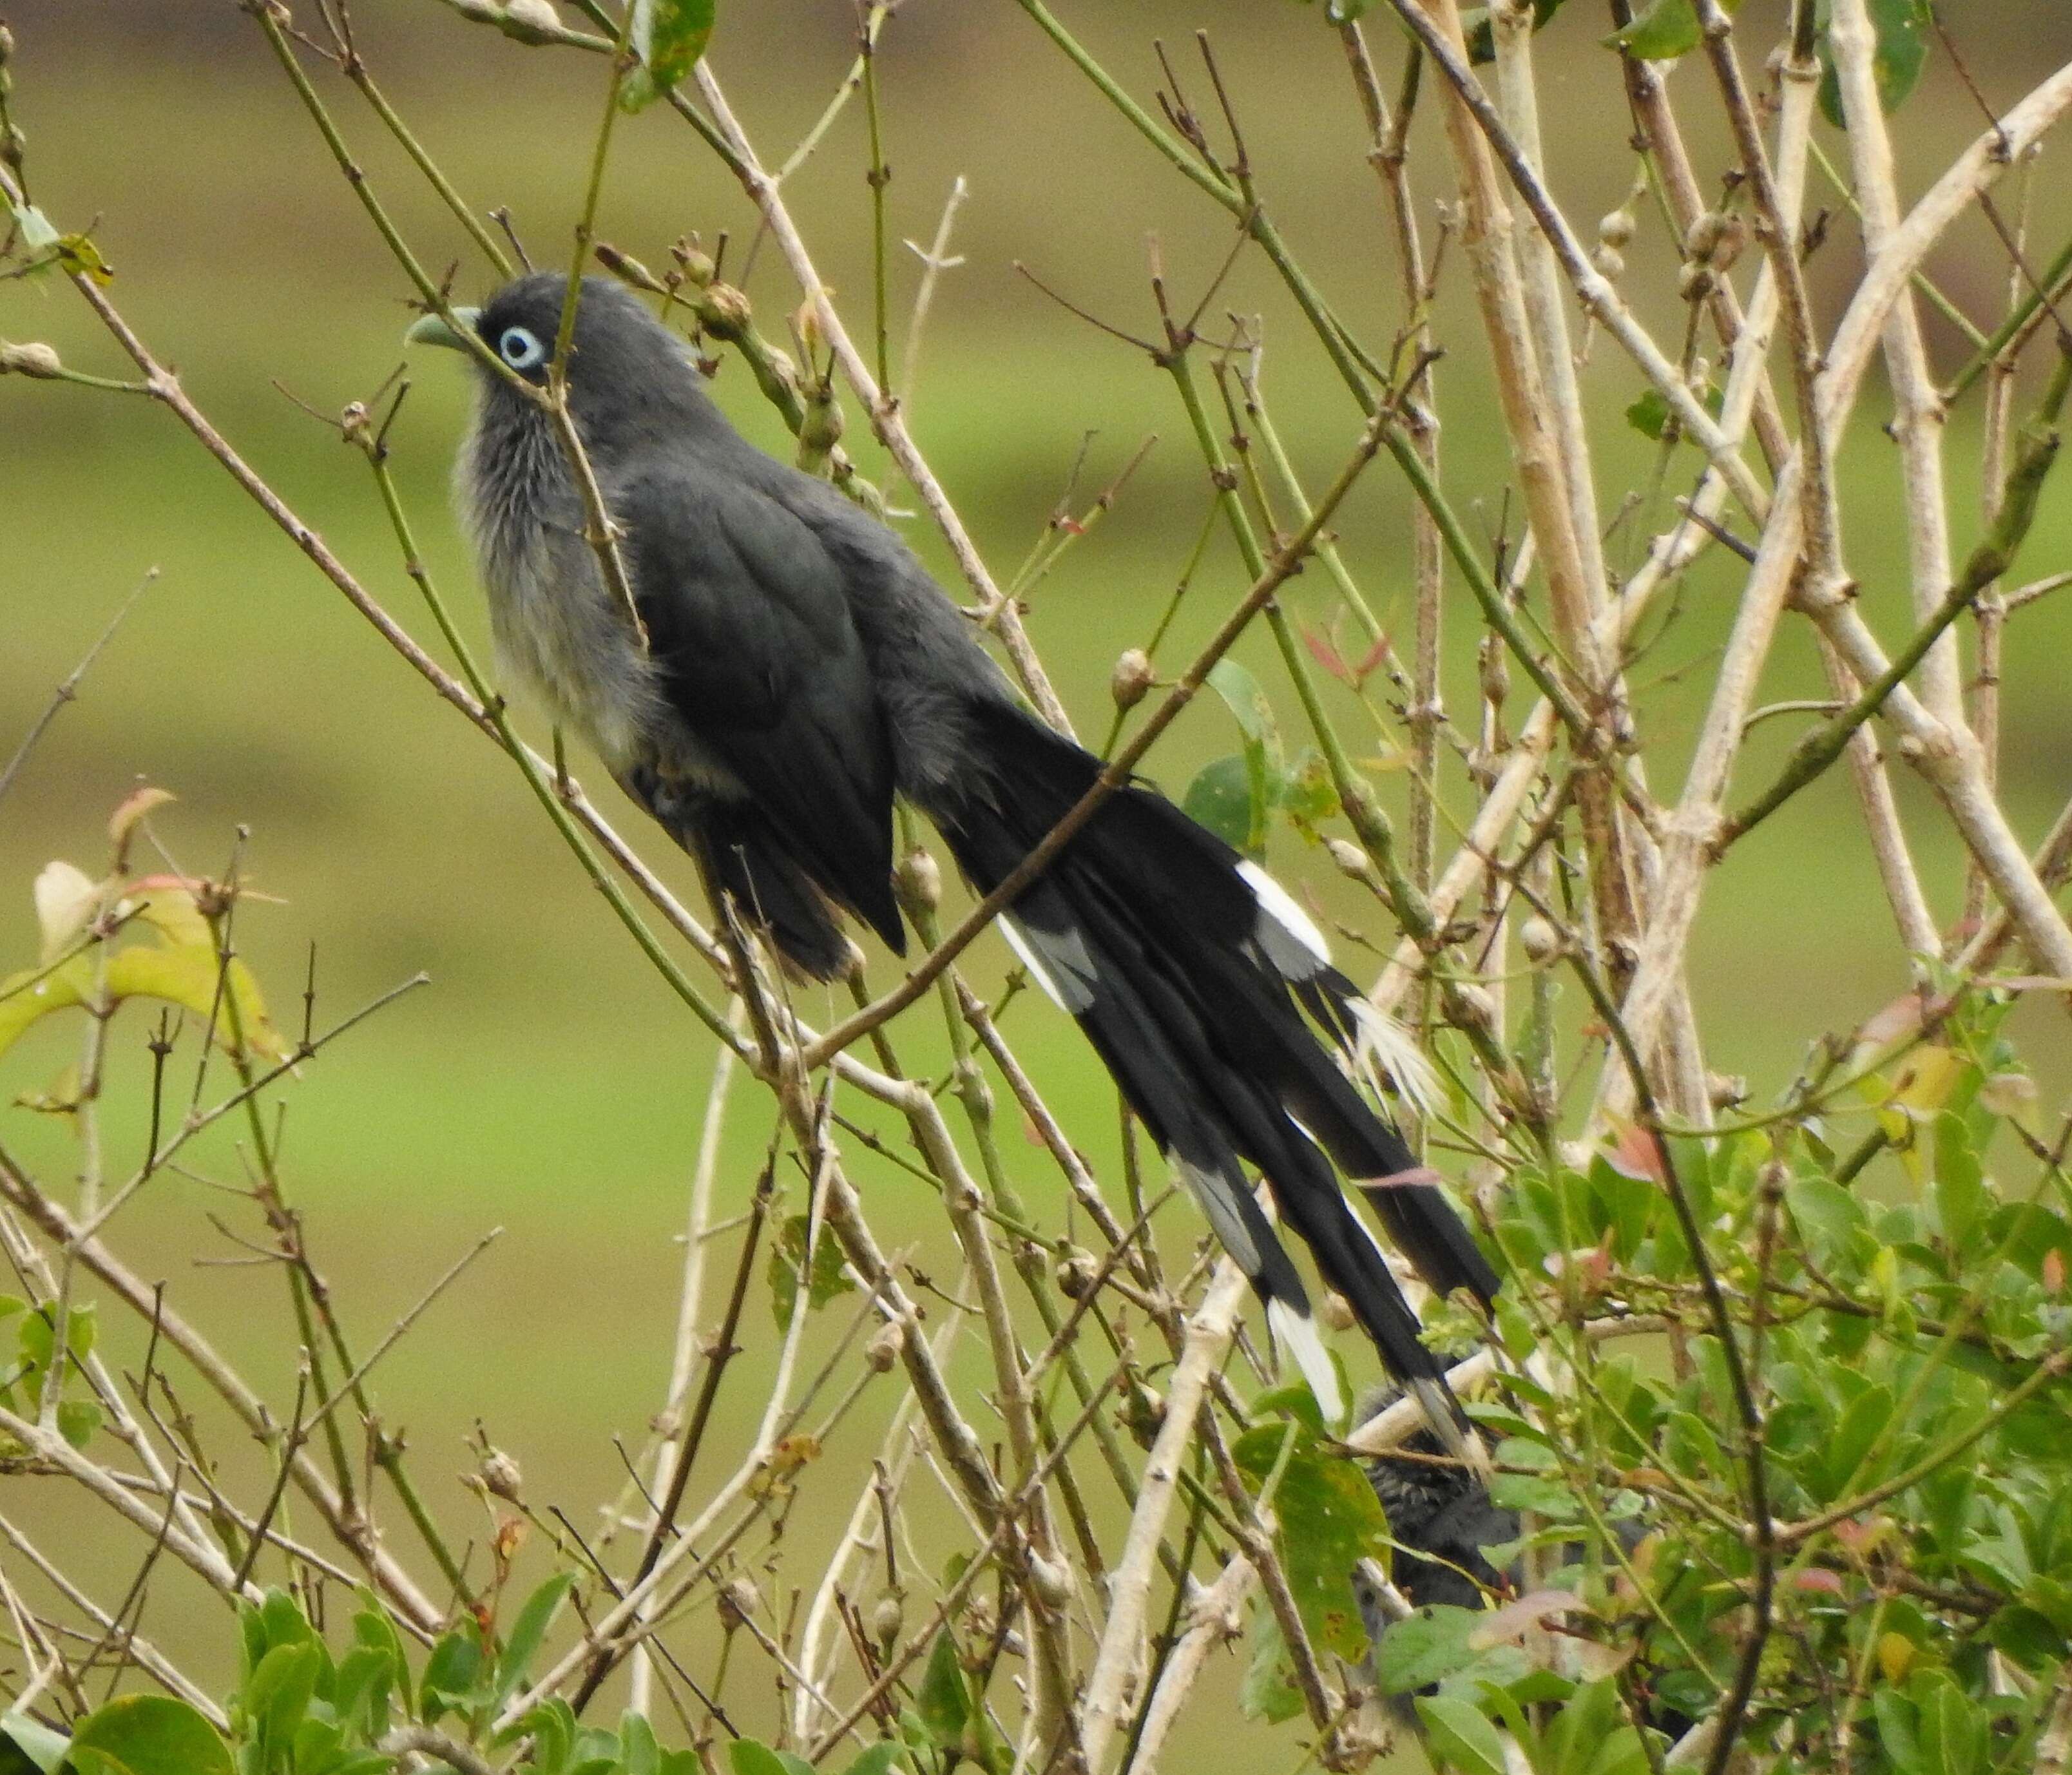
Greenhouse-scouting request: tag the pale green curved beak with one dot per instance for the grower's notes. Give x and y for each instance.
(432, 329)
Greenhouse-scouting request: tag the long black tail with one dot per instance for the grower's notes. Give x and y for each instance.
(1188, 968)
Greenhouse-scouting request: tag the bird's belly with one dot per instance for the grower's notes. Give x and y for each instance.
(561, 634)
(562, 638)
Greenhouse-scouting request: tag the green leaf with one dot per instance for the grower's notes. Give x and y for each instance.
(1254, 714)
(787, 1257)
(1328, 1520)
(1961, 1202)
(750, 1758)
(1461, 1736)
(35, 227)
(1901, 29)
(279, 1693)
(1221, 798)
(153, 1734)
(668, 36)
(281, 1620)
(1240, 691)
(876, 1761)
(1306, 793)
(77, 1421)
(1427, 1647)
(944, 1700)
(1650, 414)
(529, 1632)
(35, 1342)
(36, 1746)
(451, 1674)
(1829, 1215)
(361, 1691)
(1664, 31)
(1268, 1691)
(1861, 1425)
(641, 1755)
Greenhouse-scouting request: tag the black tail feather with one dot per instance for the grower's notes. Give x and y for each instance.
(1176, 960)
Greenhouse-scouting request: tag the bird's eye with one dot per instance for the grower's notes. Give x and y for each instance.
(520, 349)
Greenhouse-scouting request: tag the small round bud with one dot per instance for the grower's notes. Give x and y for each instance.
(7, 43)
(37, 360)
(1725, 1090)
(1495, 672)
(625, 267)
(1051, 1580)
(534, 15)
(1704, 235)
(1351, 860)
(1336, 1313)
(1076, 1271)
(919, 879)
(1131, 679)
(1609, 263)
(1539, 940)
(737, 1602)
(1694, 281)
(886, 1343)
(1616, 229)
(499, 1476)
(888, 1615)
(821, 429)
(1732, 237)
(1143, 1412)
(723, 310)
(696, 264)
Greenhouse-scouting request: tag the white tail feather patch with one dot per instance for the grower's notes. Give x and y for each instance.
(1438, 1405)
(1024, 945)
(1298, 1331)
(1381, 1045)
(1279, 905)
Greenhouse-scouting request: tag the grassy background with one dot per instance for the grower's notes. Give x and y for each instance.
(547, 1081)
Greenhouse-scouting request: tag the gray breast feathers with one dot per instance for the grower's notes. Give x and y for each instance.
(561, 634)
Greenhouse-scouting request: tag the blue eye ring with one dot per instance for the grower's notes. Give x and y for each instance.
(520, 348)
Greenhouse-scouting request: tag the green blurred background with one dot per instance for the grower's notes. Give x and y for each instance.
(547, 1081)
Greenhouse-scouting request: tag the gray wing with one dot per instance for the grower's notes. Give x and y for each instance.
(748, 617)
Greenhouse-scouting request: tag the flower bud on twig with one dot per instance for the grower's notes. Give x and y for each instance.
(36, 360)
(1132, 677)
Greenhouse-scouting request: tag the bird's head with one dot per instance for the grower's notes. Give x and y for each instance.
(622, 363)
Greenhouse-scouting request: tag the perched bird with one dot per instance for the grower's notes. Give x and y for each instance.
(799, 670)
(1441, 1518)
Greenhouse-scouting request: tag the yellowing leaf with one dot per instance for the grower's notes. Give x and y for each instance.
(1925, 1078)
(668, 37)
(1895, 1656)
(66, 899)
(186, 975)
(134, 807)
(27, 997)
(166, 903)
